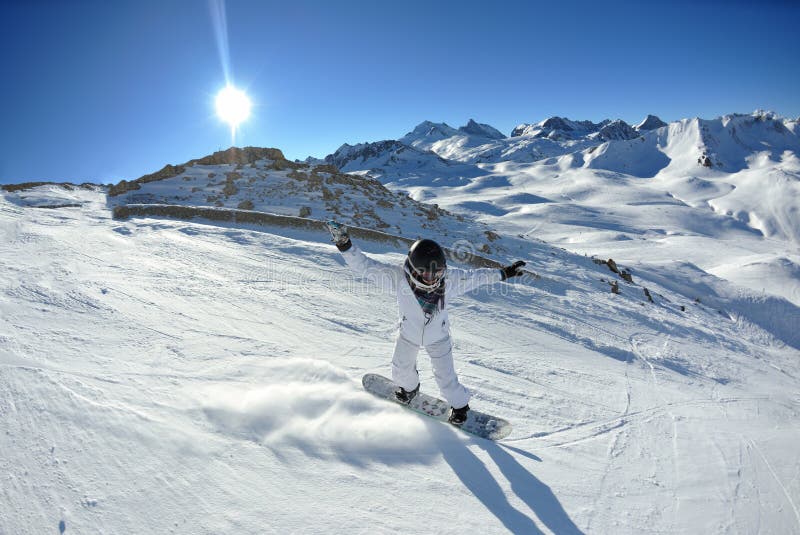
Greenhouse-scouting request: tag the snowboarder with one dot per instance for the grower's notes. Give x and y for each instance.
(424, 285)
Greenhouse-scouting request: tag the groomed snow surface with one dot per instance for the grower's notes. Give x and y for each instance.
(172, 377)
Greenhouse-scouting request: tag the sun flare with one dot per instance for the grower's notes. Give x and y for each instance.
(233, 106)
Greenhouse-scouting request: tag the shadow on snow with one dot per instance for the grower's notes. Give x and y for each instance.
(533, 492)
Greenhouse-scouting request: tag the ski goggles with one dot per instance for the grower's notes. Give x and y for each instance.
(429, 277)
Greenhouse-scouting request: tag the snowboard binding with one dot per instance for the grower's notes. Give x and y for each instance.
(458, 416)
(405, 396)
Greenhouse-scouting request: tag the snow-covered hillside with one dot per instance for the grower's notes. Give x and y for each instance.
(169, 376)
(264, 181)
(723, 194)
(162, 376)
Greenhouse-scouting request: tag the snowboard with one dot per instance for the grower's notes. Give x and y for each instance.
(477, 423)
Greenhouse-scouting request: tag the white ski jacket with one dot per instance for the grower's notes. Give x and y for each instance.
(414, 326)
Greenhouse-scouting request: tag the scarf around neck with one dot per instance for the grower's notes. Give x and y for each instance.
(430, 301)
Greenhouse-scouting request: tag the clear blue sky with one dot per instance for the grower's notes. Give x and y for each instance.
(104, 90)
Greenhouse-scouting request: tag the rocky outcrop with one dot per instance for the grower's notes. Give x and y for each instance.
(237, 156)
(168, 171)
(612, 266)
(231, 156)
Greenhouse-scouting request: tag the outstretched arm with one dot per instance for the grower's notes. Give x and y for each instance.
(385, 276)
(461, 281)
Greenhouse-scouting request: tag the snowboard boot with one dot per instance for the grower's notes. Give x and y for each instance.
(458, 416)
(405, 396)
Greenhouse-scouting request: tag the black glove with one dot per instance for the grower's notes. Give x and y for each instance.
(339, 236)
(513, 270)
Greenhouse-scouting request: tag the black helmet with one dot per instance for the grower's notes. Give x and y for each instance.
(426, 264)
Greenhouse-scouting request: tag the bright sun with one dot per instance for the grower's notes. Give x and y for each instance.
(233, 106)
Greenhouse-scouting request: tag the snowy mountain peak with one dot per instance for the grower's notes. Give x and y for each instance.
(765, 115)
(617, 130)
(651, 122)
(474, 128)
(426, 133)
(558, 128)
(428, 129)
(562, 123)
(363, 152)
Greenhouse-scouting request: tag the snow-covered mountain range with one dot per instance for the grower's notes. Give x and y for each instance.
(160, 374)
(606, 187)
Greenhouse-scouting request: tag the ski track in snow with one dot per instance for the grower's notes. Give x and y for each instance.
(161, 376)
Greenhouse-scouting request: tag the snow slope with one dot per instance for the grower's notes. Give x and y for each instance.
(162, 376)
(723, 194)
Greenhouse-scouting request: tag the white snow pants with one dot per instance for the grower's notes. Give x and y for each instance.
(404, 368)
